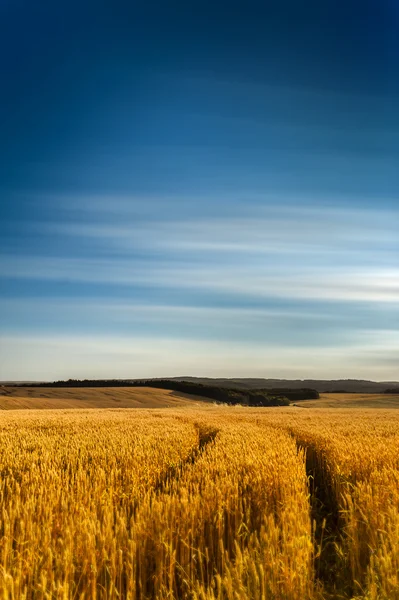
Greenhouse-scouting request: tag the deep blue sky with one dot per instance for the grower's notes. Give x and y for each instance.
(199, 188)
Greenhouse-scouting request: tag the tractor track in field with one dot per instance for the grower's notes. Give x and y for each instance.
(164, 486)
(327, 526)
(174, 472)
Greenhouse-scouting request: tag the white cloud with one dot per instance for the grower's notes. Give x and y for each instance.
(49, 358)
(275, 254)
(278, 229)
(258, 280)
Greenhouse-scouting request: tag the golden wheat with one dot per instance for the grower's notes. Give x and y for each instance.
(203, 504)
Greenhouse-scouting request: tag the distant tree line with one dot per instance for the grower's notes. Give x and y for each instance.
(256, 397)
(392, 391)
(220, 394)
(81, 383)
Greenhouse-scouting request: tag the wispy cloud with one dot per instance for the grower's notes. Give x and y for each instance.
(283, 231)
(227, 218)
(50, 357)
(307, 252)
(262, 281)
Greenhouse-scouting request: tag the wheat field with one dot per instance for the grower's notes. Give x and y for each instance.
(200, 503)
(16, 398)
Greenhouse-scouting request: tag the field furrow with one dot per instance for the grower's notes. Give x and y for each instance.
(236, 519)
(353, 464)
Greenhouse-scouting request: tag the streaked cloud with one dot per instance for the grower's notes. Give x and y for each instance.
(285, 291)
(211, 199)
(282, 231)
(262, 281)
(49, 357)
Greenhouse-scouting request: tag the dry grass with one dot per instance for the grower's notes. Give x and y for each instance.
(204, 503)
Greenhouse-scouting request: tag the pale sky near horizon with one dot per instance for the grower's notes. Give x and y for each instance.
(204, 189)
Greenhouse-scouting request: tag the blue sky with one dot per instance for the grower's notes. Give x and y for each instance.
(199, 188)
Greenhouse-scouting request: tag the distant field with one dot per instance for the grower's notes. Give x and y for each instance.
(332, 400)
(12, 397)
